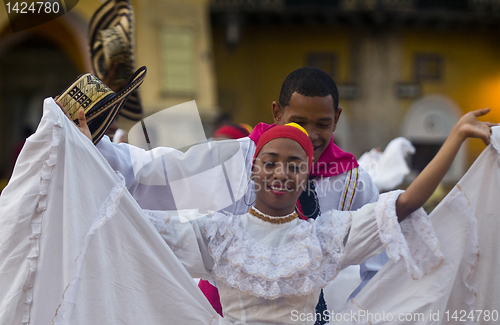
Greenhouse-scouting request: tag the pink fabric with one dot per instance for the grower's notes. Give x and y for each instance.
(212, 295)
(333, 161)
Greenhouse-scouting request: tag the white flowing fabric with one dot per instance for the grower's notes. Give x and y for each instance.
(465, 289)
(72, 247)
(75, 248)
(388, 168)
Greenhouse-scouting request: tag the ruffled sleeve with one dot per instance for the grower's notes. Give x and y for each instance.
(375, 227)
(181, 231)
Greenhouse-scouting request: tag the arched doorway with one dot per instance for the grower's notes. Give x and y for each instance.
(427, 124)
(29, 72)
(34, 64)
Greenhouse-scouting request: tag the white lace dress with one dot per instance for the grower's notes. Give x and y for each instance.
(76, 248)
(269, 273)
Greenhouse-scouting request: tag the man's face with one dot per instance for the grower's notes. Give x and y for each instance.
(315, 114)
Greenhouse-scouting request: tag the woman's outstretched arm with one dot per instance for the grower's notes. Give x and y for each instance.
(424, 185)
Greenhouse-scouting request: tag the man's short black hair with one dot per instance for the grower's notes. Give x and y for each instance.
(310, 82)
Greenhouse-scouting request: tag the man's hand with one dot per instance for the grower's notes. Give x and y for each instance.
(82, 121)
(469, 126)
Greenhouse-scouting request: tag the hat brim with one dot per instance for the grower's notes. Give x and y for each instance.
(100, 119)
(112, 41)
(100, 104)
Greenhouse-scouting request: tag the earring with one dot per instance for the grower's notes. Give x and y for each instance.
(245, 195)
(316, 200)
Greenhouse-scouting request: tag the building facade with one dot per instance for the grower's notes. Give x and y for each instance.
(173, 40)
(403, 67)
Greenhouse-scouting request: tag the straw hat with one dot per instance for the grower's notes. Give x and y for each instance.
(101, 104)
(112, 41)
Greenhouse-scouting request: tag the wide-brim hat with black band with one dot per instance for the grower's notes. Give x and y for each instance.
(101, 104)
(112, 41)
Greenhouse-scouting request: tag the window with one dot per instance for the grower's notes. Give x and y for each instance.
(428, 67)
(177, 69)
(326, 61)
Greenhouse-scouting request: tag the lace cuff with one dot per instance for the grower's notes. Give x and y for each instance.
(414, 239)
(158, 219)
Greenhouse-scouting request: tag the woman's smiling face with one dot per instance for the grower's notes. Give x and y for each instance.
(280, 174)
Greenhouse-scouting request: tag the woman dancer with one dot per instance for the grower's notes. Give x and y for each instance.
(268, 264)
(77, 249)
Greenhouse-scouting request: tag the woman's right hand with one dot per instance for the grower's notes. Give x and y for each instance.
(82, 120)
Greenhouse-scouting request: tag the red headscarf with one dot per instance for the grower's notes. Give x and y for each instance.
(333, 161)
(290, 131)
(231, 131)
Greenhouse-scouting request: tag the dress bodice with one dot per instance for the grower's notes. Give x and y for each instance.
(272, 273)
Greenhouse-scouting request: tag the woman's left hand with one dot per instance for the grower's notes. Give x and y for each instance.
(470, 127)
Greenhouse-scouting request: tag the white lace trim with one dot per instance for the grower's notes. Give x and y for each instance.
(160, 224)
(414, 239)
(36, 222)
(305, 264)
(107, 210)
(471, 251)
